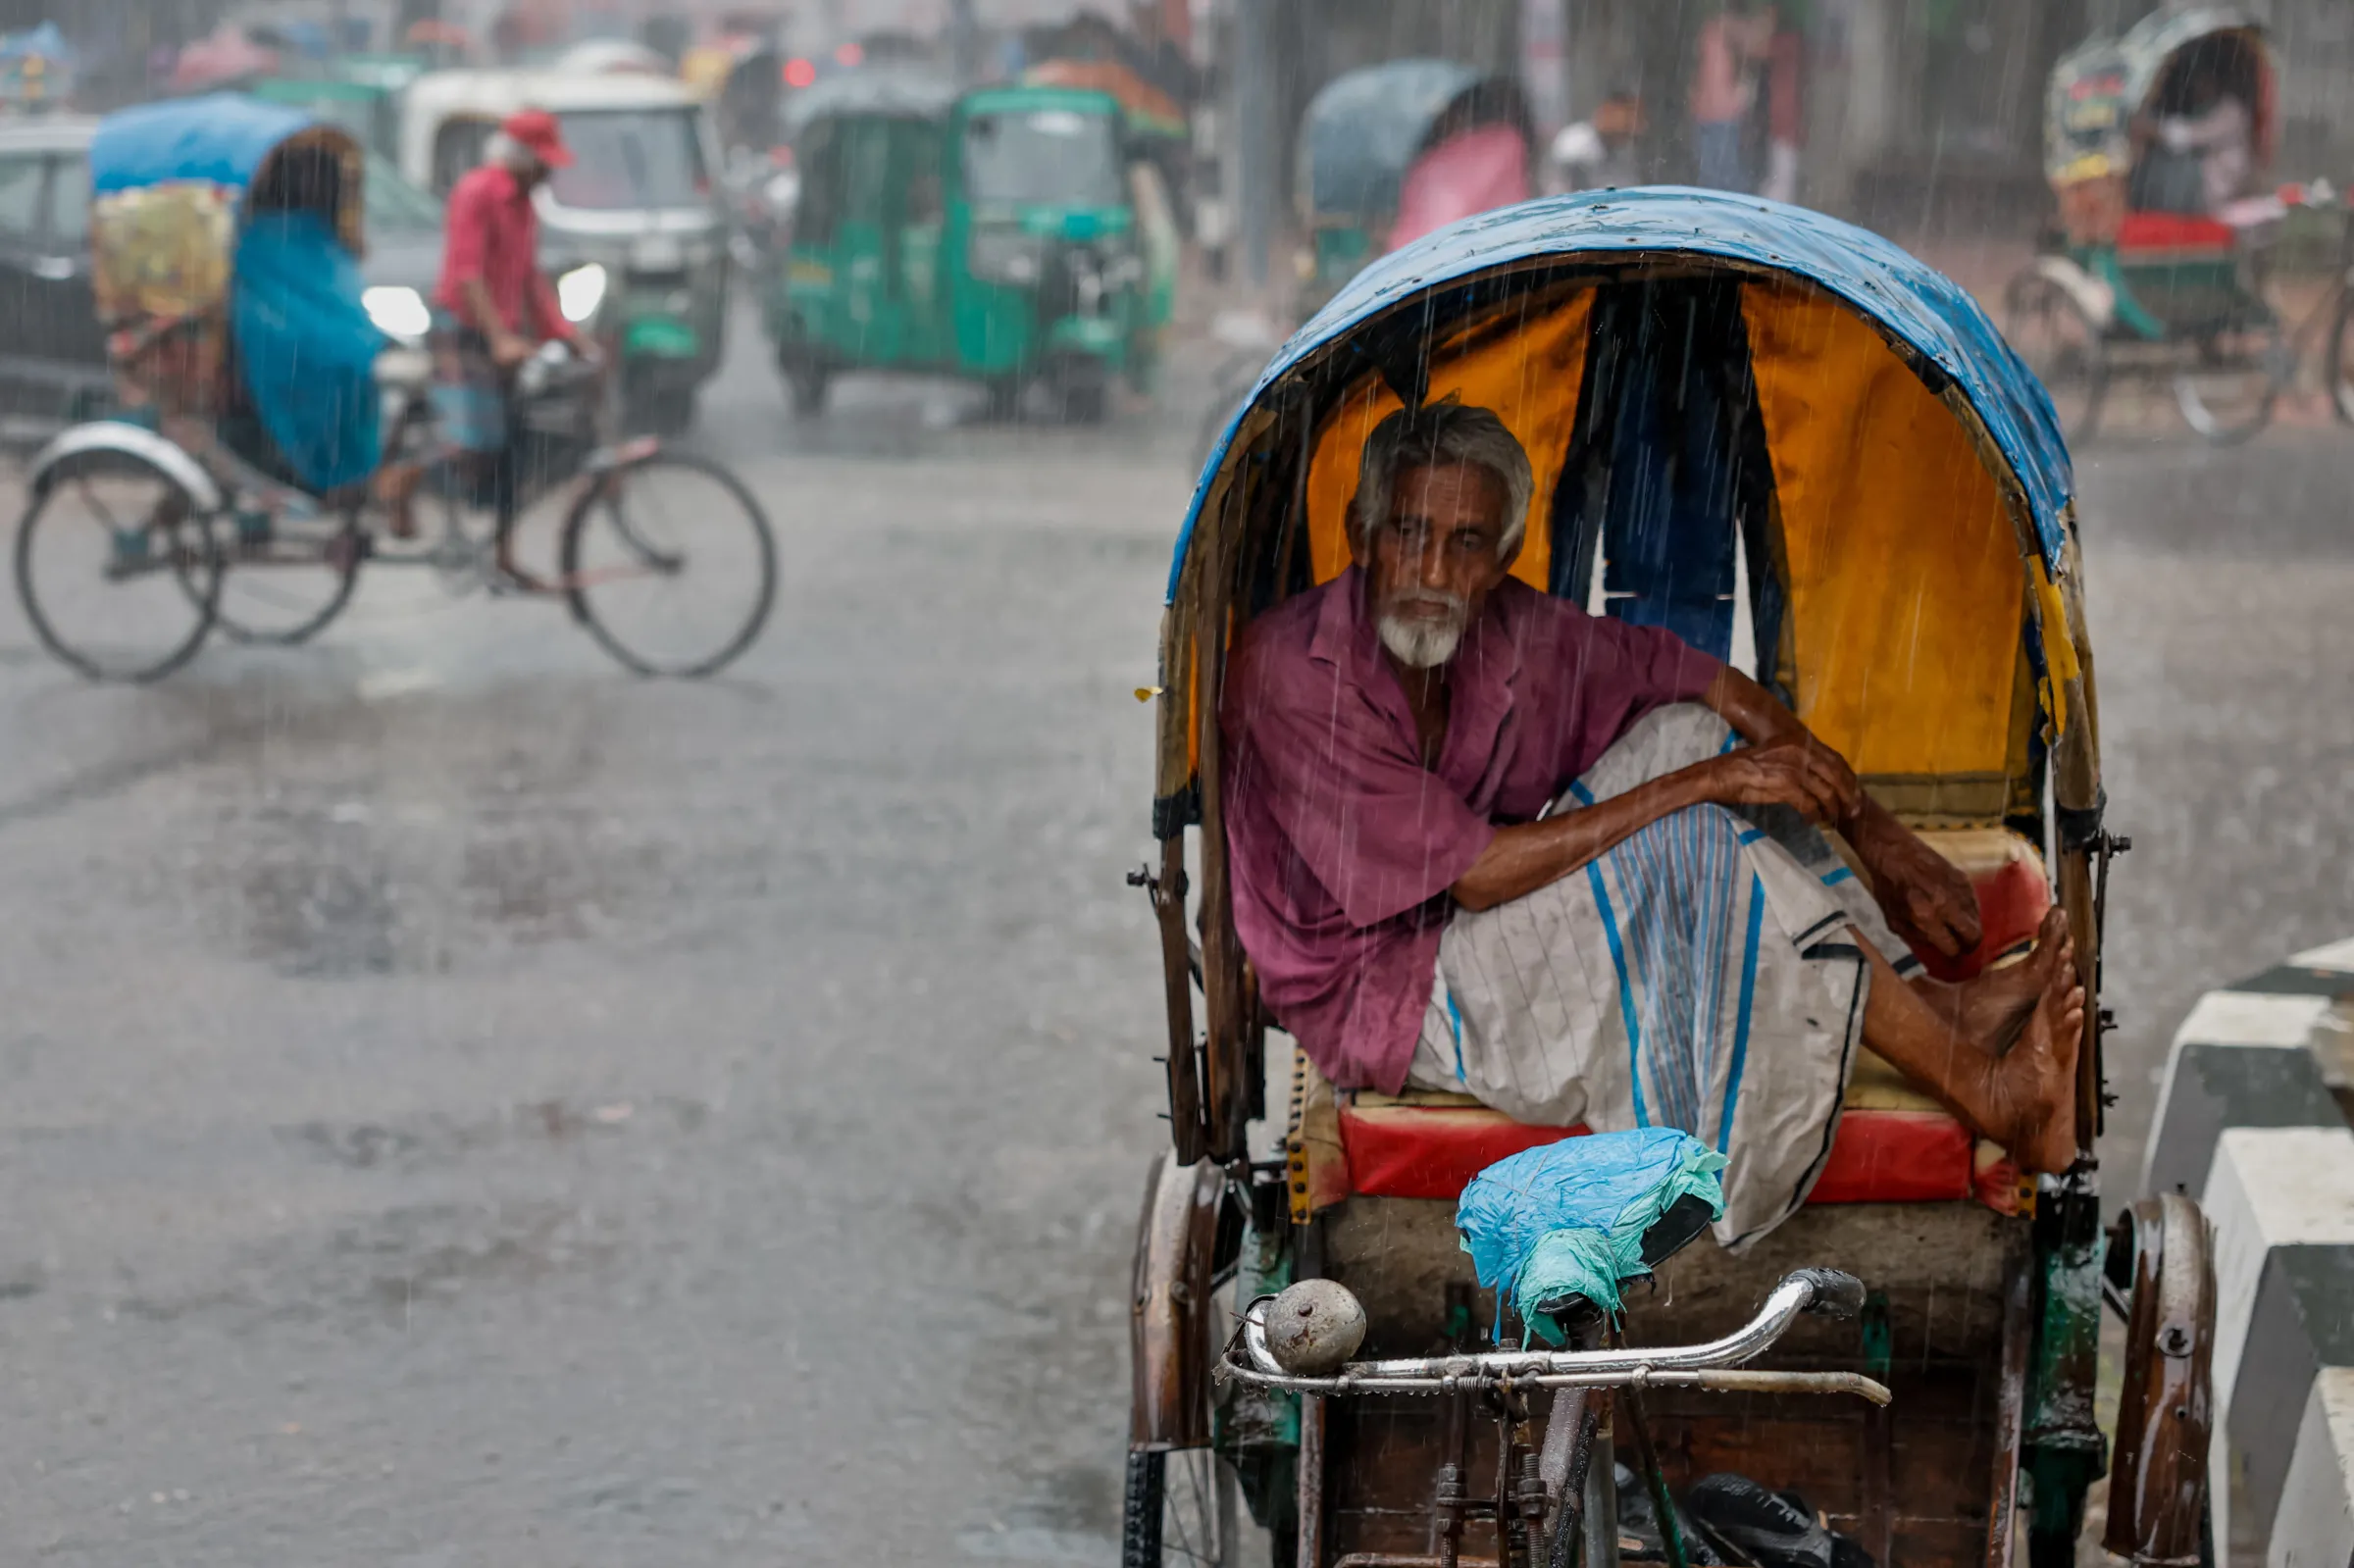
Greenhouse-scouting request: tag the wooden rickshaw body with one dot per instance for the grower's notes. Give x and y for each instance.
(1903, 516)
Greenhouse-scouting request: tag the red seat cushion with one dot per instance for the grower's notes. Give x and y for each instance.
(1879, 1156)
(1893, 1144)
(2013, 897)
(2174, 231)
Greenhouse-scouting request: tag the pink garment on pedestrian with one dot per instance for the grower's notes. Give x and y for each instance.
(1785, 80)
(1342, 844)
(1720, 86)
(1476, 172)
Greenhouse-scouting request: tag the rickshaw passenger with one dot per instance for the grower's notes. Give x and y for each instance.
(302, 405)
(2202, 128)
(1399, 741)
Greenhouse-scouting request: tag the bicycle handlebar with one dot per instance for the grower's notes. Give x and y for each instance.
(1821, 1292)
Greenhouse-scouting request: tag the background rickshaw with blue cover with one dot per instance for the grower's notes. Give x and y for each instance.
(1807, 453)
(260, 397)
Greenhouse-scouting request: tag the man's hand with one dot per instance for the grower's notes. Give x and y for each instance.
(1802, 774)
(509, 349)
(1927, 899)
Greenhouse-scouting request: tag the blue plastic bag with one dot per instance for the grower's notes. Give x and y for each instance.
(1567, 1219)
(307, 348)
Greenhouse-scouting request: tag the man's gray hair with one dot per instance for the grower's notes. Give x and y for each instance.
(505, 152)
(1445, 434)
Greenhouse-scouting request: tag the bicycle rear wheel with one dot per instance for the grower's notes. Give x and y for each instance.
(2227, 393)
(289, 577)
(669, 563)
(117, 572)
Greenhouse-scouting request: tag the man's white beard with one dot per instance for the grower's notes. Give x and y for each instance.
(1420, 644)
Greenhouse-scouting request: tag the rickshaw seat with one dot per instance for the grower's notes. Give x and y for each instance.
(1894, 1143)
(2174, 233)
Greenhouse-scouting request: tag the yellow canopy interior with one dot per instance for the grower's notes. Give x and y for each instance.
(1906, 584)
(1529, 377)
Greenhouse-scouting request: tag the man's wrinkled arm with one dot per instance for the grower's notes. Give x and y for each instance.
(1926, 897)
(1526, 856)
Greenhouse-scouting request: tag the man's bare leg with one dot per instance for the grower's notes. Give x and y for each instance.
(2000, 1051)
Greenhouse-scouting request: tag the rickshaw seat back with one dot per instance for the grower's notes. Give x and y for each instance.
(2173, 236)
(1895, 1144)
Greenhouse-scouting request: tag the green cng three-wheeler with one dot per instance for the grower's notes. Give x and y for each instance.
(1004, 235)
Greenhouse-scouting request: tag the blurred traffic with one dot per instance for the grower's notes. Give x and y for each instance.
(469, 1103)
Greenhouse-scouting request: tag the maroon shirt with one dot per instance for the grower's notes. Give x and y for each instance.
(1343, 845)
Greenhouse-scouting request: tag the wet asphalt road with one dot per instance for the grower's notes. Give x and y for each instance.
(466, 1106)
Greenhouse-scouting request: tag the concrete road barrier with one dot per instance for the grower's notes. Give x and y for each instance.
(2250, 1121)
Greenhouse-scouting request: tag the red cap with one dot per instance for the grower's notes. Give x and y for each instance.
(537, 130)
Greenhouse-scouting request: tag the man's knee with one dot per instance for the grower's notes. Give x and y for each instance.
(1663, 741)
(1685, 732)
(1703, 825)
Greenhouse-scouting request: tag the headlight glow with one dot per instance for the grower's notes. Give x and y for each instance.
(581, 291)
(400, 314)
(1006, 256)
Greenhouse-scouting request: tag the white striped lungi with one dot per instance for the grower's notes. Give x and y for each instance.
(1702, 974)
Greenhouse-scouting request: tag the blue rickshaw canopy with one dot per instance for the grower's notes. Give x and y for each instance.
(1910, 301)
(221, 138)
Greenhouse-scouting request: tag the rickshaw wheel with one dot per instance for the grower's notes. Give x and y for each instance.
(2062, 346)
(668, 561)
(1081, 392)
(2339, 367)
(2161, 1271)
(806, 381)
(285, 589)
(2227, 394)
(1182, 1506)
(1004, 398)
(103, 533)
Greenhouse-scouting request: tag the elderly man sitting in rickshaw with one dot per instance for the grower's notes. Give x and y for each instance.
(1485, 842)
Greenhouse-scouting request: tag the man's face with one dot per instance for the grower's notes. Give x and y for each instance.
(1433, 564)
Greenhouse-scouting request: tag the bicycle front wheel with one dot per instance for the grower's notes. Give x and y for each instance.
(117, 572)
(669, 563)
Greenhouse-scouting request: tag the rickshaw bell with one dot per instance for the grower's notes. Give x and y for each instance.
(1399, 740)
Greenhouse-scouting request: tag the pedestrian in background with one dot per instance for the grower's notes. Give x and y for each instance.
(1727, 50)
(1785, 110)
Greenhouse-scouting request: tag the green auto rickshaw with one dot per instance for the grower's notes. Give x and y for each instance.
(1005, 236)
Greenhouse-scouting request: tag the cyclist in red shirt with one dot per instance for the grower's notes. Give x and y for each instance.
(493, 307)
(491, 278)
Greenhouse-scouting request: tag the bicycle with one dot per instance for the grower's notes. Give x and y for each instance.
(199, 537)
(2080, 329)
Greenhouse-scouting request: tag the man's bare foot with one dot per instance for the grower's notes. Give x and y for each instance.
(2031, 1091)
(1992, 1010)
